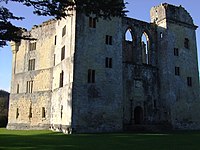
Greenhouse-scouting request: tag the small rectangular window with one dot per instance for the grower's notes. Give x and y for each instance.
(189, 81)
(17, 88)
(64, 31)
(161, 35)
(92, 22)
(30, 112)
(63, 53)
(43, 112)
(32, 46)
(31, 64)
(54, 59)
(17, 113)
(108, 40)
(177, 71)
(108, 62)
(186, 43)
(61, 79)
(176, 52)
(29, 87)
(55, 40)
(61, 111)
(91, 76)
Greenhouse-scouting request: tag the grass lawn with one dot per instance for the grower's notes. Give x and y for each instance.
(47, 140)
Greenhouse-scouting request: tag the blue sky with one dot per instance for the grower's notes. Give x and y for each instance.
(138, 9)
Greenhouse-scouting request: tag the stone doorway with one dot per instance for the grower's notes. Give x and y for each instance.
(138, 115)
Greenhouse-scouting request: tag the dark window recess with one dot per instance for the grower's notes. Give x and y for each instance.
(189, 81)
(17, 88)
(161, 35)
(32, 46)
(29, 87)
(31, 64)
(186, 43)
(92, 22)
(30, 112)
(108, 40)
(177, 71)
(17, 113)
(43, 112)
(108, 62)
(61, 79)
(63, 53)
(176, 52)
(61, 112)
(64, 31)
(54, 59)
(91, 76)
(55, 40)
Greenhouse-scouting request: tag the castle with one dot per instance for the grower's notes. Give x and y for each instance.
(89, 75)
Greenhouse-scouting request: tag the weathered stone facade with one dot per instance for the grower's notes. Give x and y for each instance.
(89, 76)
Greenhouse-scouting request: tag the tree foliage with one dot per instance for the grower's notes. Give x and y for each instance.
(57, 8)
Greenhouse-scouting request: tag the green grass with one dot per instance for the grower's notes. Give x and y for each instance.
(47, 140)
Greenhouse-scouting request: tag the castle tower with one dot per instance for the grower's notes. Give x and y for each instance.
(97, 86)
(178, 66)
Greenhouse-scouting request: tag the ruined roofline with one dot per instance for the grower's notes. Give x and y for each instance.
(141, 21)
(48, 22)
(177, 13)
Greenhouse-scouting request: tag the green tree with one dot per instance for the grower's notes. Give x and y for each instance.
(58, 9)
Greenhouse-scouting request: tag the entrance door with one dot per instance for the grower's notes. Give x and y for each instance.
(138, 115)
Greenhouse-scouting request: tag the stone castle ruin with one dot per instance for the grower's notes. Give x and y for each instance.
(89, 75)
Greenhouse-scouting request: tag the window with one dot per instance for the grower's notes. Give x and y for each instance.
(54, 59)
(186, 43)
(108, 62)
(30, 112)
(43, 112)
(61, 111)
(91, 76)
(92, 22)
(145, 48)
(31, 64)
(32, 46)
(63, 53)
(64, 31)
(189, 81)
(61, 79)
(17, 113)
(29, 86)
(176, 52)
(55, 40)
(108, 40)
(17, 88)
(161, 35)
(177, 71)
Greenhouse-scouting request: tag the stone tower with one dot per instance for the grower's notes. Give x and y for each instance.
(178, 66)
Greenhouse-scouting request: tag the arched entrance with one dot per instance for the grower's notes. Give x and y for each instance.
(138, 115)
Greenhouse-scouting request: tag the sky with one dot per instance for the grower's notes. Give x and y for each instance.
(138, 9)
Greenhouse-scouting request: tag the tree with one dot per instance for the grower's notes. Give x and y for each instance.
(57, 8)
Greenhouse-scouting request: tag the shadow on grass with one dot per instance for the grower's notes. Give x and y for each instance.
(43, 140)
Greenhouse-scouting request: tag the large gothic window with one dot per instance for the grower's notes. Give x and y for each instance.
(145, 48)
(128, 36)
(128, 48)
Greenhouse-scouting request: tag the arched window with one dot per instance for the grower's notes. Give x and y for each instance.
(145, 48)
(128, 47)
(128, 36)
